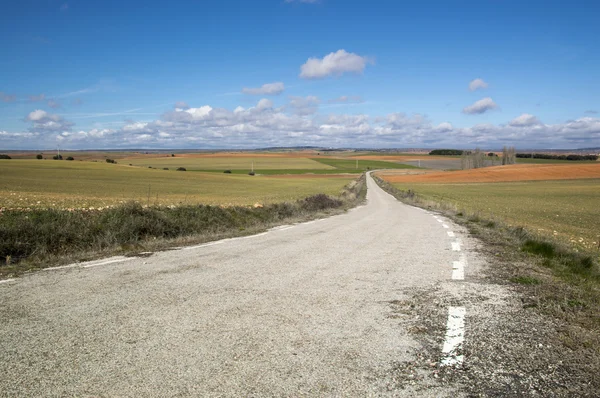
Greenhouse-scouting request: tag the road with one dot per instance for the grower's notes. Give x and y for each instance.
(302, 310)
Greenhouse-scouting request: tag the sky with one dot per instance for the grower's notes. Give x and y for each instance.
(330, 73)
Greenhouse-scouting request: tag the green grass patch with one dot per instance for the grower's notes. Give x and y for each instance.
(221, 163)
(352, 165)
(525, 280)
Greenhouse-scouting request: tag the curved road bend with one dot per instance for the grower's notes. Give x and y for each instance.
(298, 311)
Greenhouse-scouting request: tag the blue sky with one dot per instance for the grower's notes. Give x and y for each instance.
(243, 74)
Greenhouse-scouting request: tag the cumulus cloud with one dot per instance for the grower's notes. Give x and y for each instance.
(524, 120)
(336, 63)
(481, 106)
(347, 99)
(477, 84)
(7, 97)
(43, 121)
(265, 89)
(37, 98)
(304, 105)
(264, 104)
(263, 125)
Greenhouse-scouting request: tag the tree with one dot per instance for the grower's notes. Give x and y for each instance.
(39, 156)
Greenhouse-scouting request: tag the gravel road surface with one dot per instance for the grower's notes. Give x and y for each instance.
(313, 309)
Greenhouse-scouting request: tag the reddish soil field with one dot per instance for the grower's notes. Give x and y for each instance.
(517, 172)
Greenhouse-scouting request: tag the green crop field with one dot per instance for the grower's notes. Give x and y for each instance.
(238, 163)
(63, 184)
(568, 209)
(359, 166)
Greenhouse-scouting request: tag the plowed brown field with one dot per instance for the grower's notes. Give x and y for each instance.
(517, 172)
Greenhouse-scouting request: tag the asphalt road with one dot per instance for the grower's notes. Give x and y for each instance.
(301, 310)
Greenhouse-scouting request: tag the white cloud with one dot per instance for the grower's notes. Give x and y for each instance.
(264, 104)
(264, 125)
(481, 106)
(43, 121)
(335, 63)
(199, 113)
(476, 84)
(265, 89)
(524, 120)
(304, 105)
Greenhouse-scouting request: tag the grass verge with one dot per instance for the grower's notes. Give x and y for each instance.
(552, 277)
(40, 238)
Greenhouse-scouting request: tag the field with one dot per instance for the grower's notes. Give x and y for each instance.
(556, 201)
(526, 172)
(268, 164)
(64, 184)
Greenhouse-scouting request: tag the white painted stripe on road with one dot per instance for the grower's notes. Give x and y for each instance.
(253, 236)
(455, 336)
(7, 280)
(445, 226)
(119, 260)
(456, 246)
(451, 234)
(458, 268)
(203, 245)
(439, 220)
(286, 228)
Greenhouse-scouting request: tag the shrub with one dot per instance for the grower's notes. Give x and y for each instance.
(4, 156)
(39, 156)
(165, 168)
(541, 248)
(227, 172)
(181, 169)
(320, 202)
(70, 158)
(110, 160)
(57, 157)
(172, 155)
(251, 173)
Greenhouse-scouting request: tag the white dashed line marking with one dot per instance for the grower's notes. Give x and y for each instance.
(6, 281)
(203, 245)
(445, 226)
(456, 246)
(451, 234)
(438, 220)
(288, 227)
(119, 260)
(455, 335)
(458, 268)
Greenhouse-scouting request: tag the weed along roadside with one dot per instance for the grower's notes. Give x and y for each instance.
(39, 238)
(555, 281)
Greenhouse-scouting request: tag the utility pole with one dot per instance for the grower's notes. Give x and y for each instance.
(253, 166)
